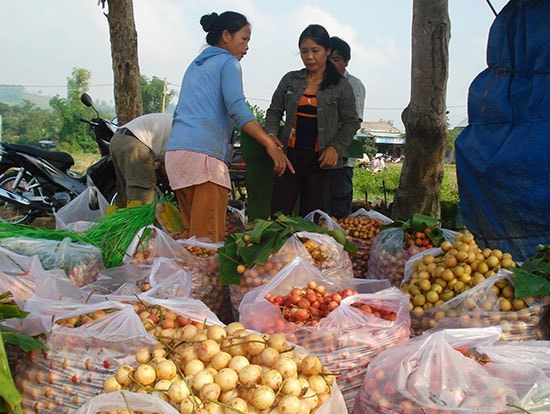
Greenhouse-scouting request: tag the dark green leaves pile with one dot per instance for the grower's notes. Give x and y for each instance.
(264, 239)
(532, 278)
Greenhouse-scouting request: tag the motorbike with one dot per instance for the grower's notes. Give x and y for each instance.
(36, 182)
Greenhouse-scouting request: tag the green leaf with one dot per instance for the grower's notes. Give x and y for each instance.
(257, 232)
(228, 262)
(20, 339)
(436, 236)
(419, 222)
(529, 284)
(11, 311)
(259, 253)
(8, 391)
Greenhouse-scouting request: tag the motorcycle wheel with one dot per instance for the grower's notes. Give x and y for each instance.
(11, 212)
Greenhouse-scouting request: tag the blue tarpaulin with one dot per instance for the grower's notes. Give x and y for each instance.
(503, 155)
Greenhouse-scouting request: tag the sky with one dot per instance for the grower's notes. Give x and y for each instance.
(41, 42)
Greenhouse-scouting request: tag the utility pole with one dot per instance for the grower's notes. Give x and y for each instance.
(163, 96)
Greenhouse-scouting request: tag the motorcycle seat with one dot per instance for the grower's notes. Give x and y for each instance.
(60, 159)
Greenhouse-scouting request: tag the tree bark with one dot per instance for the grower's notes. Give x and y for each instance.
(425, 117)
(124, 55)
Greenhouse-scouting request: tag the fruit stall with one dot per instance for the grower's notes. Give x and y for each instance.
(287, 315)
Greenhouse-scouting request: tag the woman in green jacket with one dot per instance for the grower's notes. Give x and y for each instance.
(318, 106)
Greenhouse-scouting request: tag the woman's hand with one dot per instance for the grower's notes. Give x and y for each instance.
(280, 160)
(329, 157)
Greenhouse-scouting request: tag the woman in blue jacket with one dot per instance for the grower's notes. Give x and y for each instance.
(211, 102)
(318, 107)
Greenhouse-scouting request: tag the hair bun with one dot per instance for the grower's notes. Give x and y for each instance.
(208, 21)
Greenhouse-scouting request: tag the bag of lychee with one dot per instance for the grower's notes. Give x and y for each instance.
(489, 303)
(444, 371)
(345, 333)
(84, 347)
(388, 256)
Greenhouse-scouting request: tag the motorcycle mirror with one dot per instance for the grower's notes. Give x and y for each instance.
(86, 100)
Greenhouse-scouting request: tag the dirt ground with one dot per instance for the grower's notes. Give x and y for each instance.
(47, 222)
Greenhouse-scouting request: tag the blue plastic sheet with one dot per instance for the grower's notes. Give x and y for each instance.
(503, 155)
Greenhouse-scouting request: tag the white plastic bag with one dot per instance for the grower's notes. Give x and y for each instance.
(77, 215)
(115, 401)
(349, 337)
(78, 359)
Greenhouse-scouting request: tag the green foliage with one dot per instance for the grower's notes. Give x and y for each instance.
(370, 185)
(73, 133)
(453, 134)
(383, 184)
(152, 92)
(78, 83)
(27, 124)
(369, 147)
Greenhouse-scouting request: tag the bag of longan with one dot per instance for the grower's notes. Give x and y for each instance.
(491, 302)
(361, 227)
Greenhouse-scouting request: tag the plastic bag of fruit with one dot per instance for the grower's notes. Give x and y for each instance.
(389, 252)
(361, 227)
(328, 317)
(77, 215)
(120, 401)
(235, 220)
(322, 250)
(488, 303)
(323, 219)
(243, 370)
(82, 262)
(197, 257)
(449, 371)
(83, 348)
(18, 274)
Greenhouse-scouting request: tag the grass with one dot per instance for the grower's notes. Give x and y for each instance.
(82, 161)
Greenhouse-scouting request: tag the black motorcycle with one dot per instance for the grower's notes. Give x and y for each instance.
(37, 182)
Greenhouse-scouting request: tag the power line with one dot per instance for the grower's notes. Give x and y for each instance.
(249, 98)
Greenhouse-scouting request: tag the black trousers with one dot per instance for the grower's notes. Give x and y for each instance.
(309, 186)
(339, 200)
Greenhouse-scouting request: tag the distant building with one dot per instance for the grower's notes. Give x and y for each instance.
(387, 138)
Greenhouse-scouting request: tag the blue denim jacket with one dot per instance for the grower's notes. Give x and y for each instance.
(336, 113)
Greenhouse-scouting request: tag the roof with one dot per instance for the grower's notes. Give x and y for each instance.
(378, 128)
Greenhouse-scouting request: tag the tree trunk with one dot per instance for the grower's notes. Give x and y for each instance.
(124, 54)
(425, 117)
